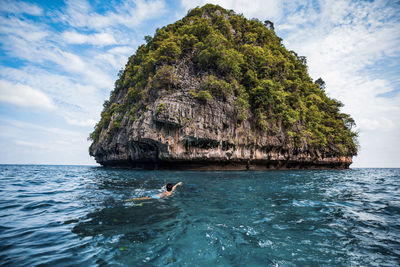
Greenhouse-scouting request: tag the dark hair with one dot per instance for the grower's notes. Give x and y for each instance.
(169, 187)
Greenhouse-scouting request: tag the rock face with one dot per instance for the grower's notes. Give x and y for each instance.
(177, 129)
(190, 134)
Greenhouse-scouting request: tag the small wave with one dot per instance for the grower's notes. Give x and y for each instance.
(307, 203)
(10, 206)
(392, 210)
(263, 220)
(39, 205)
(265, 243)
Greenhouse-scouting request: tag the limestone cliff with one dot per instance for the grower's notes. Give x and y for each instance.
(218, 91)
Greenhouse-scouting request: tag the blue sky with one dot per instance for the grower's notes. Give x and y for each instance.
(60, 59)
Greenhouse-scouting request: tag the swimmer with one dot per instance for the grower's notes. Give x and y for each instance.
(169, 190)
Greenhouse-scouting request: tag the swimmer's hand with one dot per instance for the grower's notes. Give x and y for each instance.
(173, 188)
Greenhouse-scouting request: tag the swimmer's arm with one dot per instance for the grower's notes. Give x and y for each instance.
(137, 199)
(175, 186)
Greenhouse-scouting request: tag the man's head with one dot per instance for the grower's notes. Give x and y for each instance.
(169, 187)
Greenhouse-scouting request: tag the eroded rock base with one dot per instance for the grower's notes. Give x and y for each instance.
(225, 165)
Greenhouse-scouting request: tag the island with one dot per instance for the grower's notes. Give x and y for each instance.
(218, 91)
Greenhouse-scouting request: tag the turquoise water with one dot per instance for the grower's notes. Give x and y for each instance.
(74, 215)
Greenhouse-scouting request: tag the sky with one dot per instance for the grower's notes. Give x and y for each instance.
(60, 59)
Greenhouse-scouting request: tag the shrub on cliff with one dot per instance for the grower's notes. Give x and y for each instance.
(218, 88)
(204, 95)
(165, 78)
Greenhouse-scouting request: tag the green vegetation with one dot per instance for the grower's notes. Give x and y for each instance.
(160, 108)
(204, 95)
(218, 88)
(247, 65)
(165, 78)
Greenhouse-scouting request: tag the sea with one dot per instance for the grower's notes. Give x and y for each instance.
(79, 216)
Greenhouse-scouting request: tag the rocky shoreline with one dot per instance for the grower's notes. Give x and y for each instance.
(227, 165)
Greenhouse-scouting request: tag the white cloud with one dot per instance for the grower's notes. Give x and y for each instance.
(376, 124)
(86, 68)
(31, 144)
(122, 50)
(79, 13)
(23, 29)
(55, 131)
(261, 9)
(78, 104)
(77, 122)
(116, 56)
(24, 96)
(101, 39)
(34, 43)
(18, 7)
